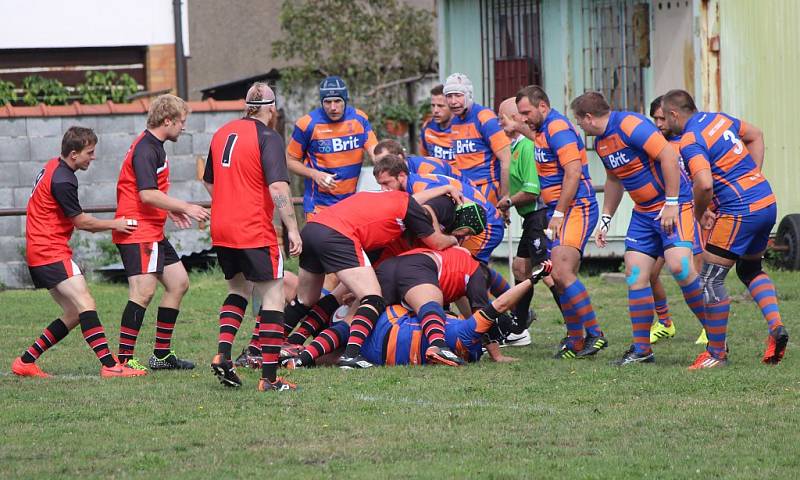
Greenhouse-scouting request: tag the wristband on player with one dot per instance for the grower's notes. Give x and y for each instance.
(557, 214)
(605, 222)
(510, 203)
(671, 201)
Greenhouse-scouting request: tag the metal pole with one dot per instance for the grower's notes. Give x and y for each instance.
(180, 59)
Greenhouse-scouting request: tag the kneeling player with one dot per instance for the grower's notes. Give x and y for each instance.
(53, 214)
(398, 338)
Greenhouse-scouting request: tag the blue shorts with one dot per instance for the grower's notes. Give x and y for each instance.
(646, 236)
(746, 234)
(482, 246)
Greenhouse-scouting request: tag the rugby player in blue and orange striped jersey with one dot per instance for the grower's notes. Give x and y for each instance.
(418, 164)
(434, 137)
(566, 189)
(639, 160)
(480, 148)
(327, 148)
(724, 156)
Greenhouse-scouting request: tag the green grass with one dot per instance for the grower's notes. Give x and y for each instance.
(538, 418)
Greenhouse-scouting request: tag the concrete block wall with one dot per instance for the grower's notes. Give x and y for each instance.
(27, 143)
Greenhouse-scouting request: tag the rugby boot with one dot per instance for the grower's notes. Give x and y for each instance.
(631, 357)
(776, 346)
(279, 385)
(443, 356)
(170, 362)
(353, 363)
(658, 331)
(706, 360)
(23, 369)
(225, 371)
(121, 370)
(592, 345)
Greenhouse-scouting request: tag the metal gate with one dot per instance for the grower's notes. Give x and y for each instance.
(511, 34)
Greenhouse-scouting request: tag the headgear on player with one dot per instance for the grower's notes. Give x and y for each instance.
(333, 87)
(460, 83)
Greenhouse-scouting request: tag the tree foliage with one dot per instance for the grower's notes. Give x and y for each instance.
(103, 86)
(369, 43)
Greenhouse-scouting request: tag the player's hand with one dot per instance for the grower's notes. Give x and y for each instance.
(504, 204)
(125, 225)
(325, 181)
(708, 219)
(455, 193)
(197, 213)
(555, 227)
(600, 238)
(295, 243)
(669, 218)
(181, 220)
(500, 358)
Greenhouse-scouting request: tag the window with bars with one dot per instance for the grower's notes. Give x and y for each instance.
(617, 50)
(510, 30)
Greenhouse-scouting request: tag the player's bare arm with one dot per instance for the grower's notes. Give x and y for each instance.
(324, 180)
(753, 139)
(613, 195)
(703, 190)
(672, 184)
(159, 199)
(569, 187)
(427, 195)
(504, 155)
(282, 198)
(89, 223)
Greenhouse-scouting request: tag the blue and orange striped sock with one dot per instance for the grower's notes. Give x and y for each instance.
(662, 310)
(717, 326)
(497, 284)
(693, 294)
(641, 308)
(581, 303)
(571, 318)
(763, 292)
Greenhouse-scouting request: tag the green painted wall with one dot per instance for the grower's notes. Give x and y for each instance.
(460, 42)
(760, 63)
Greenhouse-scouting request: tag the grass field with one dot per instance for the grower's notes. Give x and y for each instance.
(537, 418)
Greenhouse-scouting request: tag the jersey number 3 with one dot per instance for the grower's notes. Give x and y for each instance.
(228, 152)
(737, 144)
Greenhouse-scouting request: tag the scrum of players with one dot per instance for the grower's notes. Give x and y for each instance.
(403, 276)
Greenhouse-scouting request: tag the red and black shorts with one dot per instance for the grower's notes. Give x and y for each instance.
(255, 264)
(150, 257)
(400, 274)
(50, 275)
(327, 251)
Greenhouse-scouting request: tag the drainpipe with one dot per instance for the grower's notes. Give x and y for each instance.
(180, 59)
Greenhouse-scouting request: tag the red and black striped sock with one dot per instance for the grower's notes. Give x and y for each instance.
(132, 318)
(255, 342)
(318, 317)
(271, 337)
(293, 313)
(51, 335)
(360, 328)
(327, 341)
(165, 324)
(230, 319)
(95, 336)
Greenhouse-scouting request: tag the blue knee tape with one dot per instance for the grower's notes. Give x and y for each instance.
(631, 279)
(683, 274)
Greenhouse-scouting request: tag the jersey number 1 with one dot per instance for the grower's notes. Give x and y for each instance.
(228, 152)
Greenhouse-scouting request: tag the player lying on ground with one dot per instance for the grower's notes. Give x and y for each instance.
(398, 338)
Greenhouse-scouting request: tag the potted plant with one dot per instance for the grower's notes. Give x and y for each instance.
(397, 117)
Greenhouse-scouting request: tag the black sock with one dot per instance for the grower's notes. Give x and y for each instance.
(51, 335)
(165, 324)
(132, 318)
(556, 296)
(522, 310)
(292, 314)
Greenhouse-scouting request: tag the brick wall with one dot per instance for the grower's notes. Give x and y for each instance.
(27, 143)
(160, 68)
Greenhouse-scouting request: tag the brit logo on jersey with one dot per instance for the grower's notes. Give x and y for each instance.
(617, 159)
(443, 153)
(335, 145)
(465, 146)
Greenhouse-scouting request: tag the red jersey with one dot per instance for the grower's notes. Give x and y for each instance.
(53, 202)
(375, 219)
(456, 266)
(145, 167)
(245, 157)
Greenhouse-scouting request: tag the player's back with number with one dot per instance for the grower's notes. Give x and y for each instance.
(244, 157)
(716, 138)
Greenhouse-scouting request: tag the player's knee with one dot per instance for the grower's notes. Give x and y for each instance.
(341, 330)
(634, 276)
(374, 302)
(713, 279)
(681, 270)
(748, 270)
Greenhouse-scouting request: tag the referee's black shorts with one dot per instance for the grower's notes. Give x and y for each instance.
(533, 244)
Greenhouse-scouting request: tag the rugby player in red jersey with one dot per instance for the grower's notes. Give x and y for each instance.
(335, 241)
(54, 212)
(247, 178)
(147, 255)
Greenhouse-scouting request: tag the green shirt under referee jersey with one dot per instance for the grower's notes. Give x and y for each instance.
(523, 176)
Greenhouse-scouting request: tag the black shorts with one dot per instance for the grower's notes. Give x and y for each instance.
(256, 264)
(400, 274)
(327, 251)
(151, 257)
(533, 243)
(50, 275)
